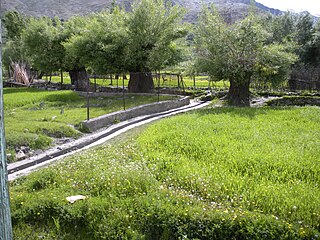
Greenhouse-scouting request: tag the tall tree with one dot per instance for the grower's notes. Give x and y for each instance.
(314, 47)
(13, 50)
(153, 27)
(281, 28)
(77, 70)
(101, 45)
(304, 37)
(42, 42)
(14, 23)
(138, 42)
(239, 53)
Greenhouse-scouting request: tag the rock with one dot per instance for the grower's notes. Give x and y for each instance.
(20, 155)
(25, 149)
(73, 199)
(37, 152)
(208, 97)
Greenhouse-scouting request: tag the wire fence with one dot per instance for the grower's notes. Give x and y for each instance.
(301, 78)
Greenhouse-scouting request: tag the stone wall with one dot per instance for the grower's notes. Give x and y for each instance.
(108, 119)
(295, 101)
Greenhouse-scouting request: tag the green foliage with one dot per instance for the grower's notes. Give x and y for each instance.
(314, 48)
(73, 27)
(303, 100)
(238, 52)
(101, 45)
(151, 37)
(15, 139)
(304, 37)
(14, 23)
(224, 173)
(310, 49)
(14, 51)
(281, 28)
(298, 29)
(42, 39)
(304, 28)
(201, 82)
(274, 66)
(138, 41)
(154, 26)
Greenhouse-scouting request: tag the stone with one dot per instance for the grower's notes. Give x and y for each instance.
(25, 149)
(20, 155)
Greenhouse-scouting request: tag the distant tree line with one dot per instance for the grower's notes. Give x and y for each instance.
(153, 36)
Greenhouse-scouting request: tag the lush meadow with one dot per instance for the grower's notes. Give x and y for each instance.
(223, 173)
(34, 117)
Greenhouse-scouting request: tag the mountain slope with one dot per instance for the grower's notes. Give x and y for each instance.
(230, 9)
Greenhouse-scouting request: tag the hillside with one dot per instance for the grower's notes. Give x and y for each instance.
(230, 9)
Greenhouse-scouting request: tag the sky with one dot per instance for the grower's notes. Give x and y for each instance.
(312, 6)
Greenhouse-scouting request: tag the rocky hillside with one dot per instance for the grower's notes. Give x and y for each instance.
(230, 9)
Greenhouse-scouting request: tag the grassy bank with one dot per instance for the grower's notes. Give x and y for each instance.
(224, 173)
(34, 117)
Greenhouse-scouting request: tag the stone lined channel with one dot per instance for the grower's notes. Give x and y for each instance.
(22, 168)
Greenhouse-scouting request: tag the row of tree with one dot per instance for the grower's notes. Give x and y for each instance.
(153, 36)
(113, 41)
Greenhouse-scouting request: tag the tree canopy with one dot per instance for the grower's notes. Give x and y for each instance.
(152, 37)
(239, 53)
(14, 23)
(153, 28)
(42, 39)
(138, 42)
(100, 43)
(14, 50)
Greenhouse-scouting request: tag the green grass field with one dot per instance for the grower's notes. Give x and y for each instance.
(170, 82)
(223, 173)
(33, 117)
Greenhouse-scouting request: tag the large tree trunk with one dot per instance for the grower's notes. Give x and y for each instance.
(239, 94)
(140, 82)
(79, 77)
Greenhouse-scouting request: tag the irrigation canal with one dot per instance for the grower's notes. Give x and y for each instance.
(24, 167)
